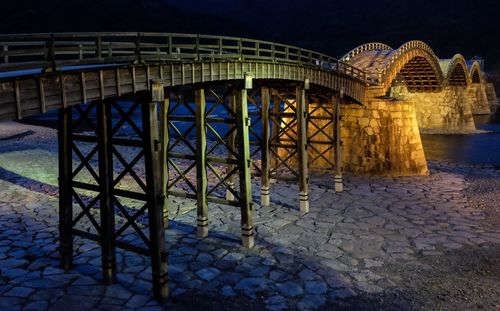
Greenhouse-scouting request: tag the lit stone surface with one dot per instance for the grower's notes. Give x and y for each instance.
(332, 254)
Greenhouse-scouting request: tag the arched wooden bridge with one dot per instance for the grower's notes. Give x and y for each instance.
(413, 63)
(170, 78)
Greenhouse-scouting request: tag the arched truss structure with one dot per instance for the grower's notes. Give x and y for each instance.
(414, 64)
(456, 71)
(418, 66)
(475, 72)
(372, 46)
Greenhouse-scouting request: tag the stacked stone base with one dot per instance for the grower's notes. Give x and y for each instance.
(382, 138)
(448, 111)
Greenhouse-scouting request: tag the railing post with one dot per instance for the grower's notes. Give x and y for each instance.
(98, 46)
(220, 47)
(52, 52)
(5, 57)
(240, 48)
(138, 48)
(197, 47)
(170, 51)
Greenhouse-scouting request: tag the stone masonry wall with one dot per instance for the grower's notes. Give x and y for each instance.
(492, 97)
(382, 138)
(448, 111)
(478, 97)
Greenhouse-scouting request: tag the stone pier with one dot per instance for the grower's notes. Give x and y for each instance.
(382, 137)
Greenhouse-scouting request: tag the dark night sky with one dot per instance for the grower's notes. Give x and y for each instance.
(467, 27)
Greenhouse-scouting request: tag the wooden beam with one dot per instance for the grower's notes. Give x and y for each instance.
(266, 135)
(232, 145)
(65, 189)
(201, 164)
(152, 162)
(244, 164)
(164, 138)
(338, 142)
(301, 111)
(108, 249)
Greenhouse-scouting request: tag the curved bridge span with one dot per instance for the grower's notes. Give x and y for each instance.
(90, 66)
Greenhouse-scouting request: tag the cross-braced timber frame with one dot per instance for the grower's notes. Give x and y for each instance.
(104, 172)
(218, 162)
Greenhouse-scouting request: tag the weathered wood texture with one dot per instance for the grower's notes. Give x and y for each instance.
(38, 93)
(61, 70)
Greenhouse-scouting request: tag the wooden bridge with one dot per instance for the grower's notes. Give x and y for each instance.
(170, 78)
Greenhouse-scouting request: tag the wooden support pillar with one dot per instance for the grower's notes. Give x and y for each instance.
(265, 166)
(232, 145)
(164, 138)
(155, 201)
(65, 187)
(275, 130)
(201, 164)
(302, 147)
(244, 163)
(338, 143)
(108, 249)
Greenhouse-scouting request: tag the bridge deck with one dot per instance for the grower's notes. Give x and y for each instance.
(45, 71)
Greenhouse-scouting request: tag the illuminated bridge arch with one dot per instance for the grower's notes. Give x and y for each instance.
(372, 46)
(414, 63)
(418, 67)
(475, 72)
(456, 71)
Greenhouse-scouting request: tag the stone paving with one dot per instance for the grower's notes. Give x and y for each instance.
(299, 261)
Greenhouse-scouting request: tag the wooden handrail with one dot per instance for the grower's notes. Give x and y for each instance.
(63, 49)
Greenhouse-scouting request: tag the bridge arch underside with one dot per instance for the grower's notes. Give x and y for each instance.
(418, 73)
(458, 75)
(475, 76)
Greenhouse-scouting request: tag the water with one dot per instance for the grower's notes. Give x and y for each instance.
(470, 149)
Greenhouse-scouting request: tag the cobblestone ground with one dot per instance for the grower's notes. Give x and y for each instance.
(304, 262)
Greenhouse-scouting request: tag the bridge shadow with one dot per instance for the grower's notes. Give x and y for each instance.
(236, 264)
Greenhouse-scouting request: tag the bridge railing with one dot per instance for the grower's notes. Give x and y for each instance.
(29, 51)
